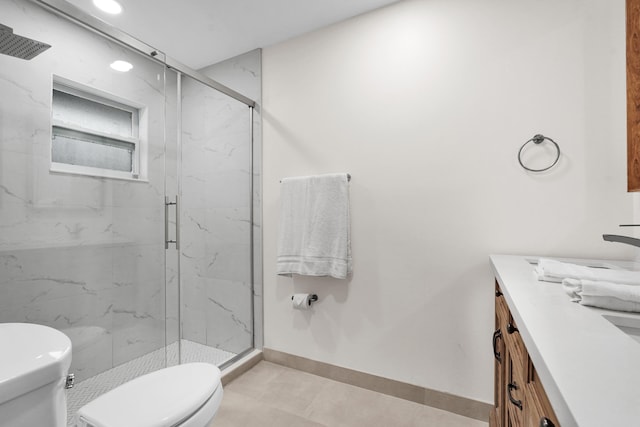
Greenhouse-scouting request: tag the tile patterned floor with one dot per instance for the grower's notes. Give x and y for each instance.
(89, 389)
(271, 395)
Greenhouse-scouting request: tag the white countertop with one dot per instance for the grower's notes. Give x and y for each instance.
(589, 368)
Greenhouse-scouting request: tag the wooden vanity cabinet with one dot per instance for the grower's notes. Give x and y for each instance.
(539, 412)
(499, 353)
(633, 94)
(519, 398)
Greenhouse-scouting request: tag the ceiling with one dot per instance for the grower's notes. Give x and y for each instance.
(203, 32)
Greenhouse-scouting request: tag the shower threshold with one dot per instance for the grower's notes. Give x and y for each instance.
(91, 388)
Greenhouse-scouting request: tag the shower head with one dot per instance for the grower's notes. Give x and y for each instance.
(20, 47)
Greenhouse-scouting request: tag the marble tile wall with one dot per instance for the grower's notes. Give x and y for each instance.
(215, 219)
(244, 74)
(78, 253)
(218, 301)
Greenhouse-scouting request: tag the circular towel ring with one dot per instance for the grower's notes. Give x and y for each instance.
(539, 139)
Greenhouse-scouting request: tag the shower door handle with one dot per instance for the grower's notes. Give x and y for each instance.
(167, 203)
(177, 223)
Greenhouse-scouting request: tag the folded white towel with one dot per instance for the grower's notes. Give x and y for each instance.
(314, 233)
(612, 296)
(555, 271)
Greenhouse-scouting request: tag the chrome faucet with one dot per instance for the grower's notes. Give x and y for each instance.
(622, 239)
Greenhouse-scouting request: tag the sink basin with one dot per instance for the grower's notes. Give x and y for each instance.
(628, 325)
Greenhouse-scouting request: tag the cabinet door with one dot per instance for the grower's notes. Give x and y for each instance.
(538, 411)
(499, 376)
(535, 414)
(513, 420)
(633, 95)
(514, 388)
(493, 418)
(515, 346)
(520, 399)
(498, 415)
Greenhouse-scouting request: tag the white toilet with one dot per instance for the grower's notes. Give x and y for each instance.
(34, 365)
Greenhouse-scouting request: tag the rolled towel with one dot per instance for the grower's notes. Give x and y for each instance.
(550, 270)
(612, 296)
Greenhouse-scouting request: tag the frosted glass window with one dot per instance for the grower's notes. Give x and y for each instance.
(76, 148)
(88, 114)
(92, 134)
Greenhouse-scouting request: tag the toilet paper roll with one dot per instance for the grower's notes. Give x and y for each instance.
(301, 301)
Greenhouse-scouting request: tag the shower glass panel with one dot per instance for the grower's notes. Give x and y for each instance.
(214, 171)
(88, 158)
(80, 250)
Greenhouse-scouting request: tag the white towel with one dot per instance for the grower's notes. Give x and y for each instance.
(612, 296)
(555, 271)
(314, 234)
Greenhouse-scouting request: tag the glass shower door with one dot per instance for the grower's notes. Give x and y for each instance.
(214, 170)
(82, 176)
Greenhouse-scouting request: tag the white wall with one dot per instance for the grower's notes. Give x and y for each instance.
(426, 103)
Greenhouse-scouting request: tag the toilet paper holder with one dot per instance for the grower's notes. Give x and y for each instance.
(312, 298)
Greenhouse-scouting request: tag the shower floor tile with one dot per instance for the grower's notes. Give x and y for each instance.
(89, 389)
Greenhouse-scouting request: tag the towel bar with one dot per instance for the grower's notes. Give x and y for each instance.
(538, 139)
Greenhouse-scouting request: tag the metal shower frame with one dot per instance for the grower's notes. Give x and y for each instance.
(68, 10)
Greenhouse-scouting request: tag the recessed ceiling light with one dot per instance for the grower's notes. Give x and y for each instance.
(109, 6)
(122, 66)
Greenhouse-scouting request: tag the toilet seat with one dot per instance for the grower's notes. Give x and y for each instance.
(176, 396)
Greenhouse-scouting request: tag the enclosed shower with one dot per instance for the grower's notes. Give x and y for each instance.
(129, 201)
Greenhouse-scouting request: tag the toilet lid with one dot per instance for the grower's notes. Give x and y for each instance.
(160, 399)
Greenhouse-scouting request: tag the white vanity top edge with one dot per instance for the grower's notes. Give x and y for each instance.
(589, 368)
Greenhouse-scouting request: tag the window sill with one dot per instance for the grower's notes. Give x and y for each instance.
(63, 169)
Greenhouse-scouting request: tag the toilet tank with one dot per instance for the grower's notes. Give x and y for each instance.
(34, 364)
